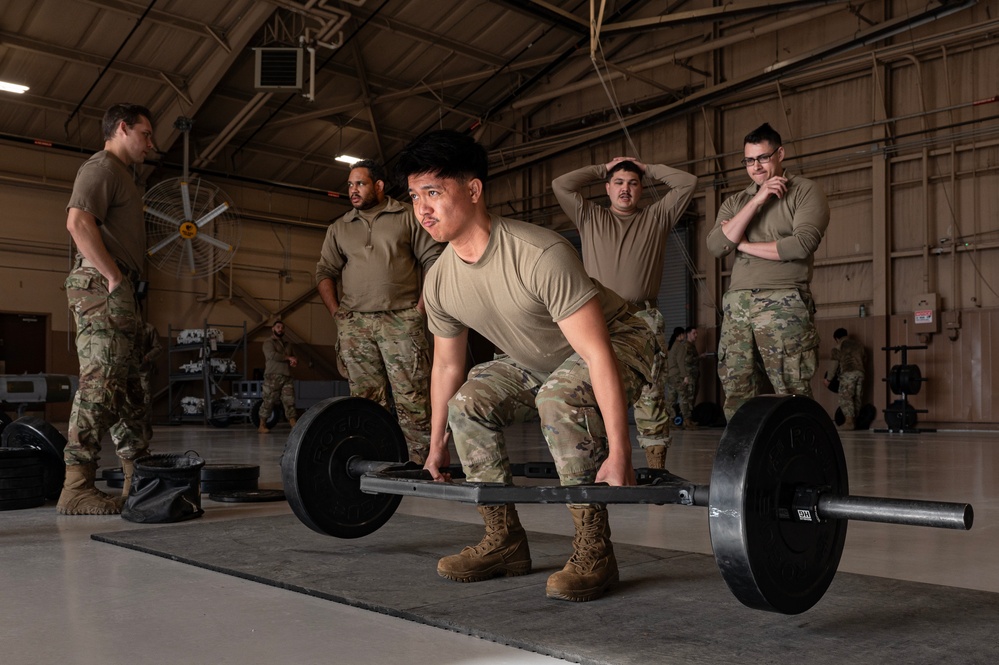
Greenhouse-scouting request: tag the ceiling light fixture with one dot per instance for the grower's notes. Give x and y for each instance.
(13, 87)
(347, 159)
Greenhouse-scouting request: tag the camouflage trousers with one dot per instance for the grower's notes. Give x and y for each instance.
(387, 357)
(775, 328)
(110, 398)
(146, 381)
(851, 393)
(501, 392)
(652, 414)
(686, 393)
(275, 388)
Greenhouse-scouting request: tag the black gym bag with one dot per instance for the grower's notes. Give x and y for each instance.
(165, 488)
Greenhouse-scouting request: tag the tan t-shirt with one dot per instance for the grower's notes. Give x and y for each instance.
(378, 257)
(104, 187)
(527, 280)
(625, 253)
(797, 221)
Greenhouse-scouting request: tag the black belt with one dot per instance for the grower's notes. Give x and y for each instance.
(131, 275)
(645, 304)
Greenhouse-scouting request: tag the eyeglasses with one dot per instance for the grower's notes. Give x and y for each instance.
(762, 159)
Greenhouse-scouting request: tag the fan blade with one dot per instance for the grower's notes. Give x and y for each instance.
(212, 215)
(162, 215)
(189, 250)
(185, 196)
(212, 241)
(162, 243)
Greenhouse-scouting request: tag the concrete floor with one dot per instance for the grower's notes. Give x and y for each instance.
(68, 599)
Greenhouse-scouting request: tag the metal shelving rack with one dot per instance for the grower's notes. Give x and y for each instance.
(207, 380)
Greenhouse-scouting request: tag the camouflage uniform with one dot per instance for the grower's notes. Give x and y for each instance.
(778, 324)
(848, 363)
(277, 383)
(148, 349)
(502, 391)
(110, 396)
(652, 411)
(387, 358)
(625, 253)
(768, 308)
(686, 367)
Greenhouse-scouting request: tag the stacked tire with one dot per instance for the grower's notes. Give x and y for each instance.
(22, 478)
(39, 435)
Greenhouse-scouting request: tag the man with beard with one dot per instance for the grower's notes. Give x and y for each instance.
(370, 276)
(279, 358)
(624, 247)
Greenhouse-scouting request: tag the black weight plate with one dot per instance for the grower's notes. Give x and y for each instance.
(772, 445)
(20, 504)
(230, 471)
(244, 484)
(314, 466)
(272, 420)
(34, 432)
(114, 477)
(866, 416)
(4, 420)
(21, 482)
(247, 496)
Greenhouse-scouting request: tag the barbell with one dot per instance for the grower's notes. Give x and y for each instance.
(778, 501)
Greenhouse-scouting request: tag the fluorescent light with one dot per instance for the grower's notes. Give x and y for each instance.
(347, 159)
(13, 87)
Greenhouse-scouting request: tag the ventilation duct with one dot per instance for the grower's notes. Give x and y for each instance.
(278, 68)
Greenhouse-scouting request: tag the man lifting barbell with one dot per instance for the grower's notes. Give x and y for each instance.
(523, 288)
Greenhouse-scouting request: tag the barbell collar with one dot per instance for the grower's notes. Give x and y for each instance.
(938, 514)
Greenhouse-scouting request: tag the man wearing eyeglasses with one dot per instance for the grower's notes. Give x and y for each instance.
(774, 227)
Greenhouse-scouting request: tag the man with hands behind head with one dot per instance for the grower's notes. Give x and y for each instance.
(623, 248)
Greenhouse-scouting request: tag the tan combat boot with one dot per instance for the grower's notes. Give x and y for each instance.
(263, 428)
(848, 424)
(592, 568)
(128, 470)
(292, 421)
(502, 551)
(80, 497)
(655, 456)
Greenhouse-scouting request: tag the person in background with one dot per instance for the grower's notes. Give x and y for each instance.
(848, 364)
(623, 248)
(279, 359)
(774, 227)
(377, 254)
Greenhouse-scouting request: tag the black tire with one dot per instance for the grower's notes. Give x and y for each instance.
(4, 420)
(838, 417)
(37, 433)
(272, 421)
(22, 478)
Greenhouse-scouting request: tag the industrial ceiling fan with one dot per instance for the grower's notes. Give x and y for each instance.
(192, 227)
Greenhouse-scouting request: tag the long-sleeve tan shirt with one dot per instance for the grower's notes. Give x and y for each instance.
(378, 256)
(625, 254)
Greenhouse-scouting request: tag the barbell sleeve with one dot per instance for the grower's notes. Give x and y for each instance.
(938, 514)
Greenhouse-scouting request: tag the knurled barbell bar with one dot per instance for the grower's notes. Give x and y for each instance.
(778, 501)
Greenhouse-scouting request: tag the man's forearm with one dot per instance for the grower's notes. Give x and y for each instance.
(327, 291)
